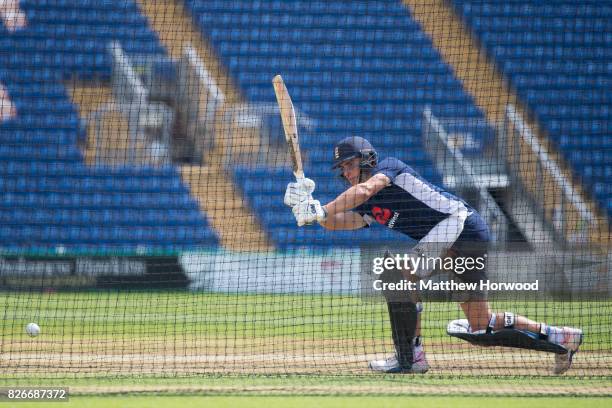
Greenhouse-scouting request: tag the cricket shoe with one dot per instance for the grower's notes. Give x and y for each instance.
(572, 339)
(391, 365)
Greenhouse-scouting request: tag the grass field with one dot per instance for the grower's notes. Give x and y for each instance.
(178, 314)
(220, 344)
(322, 402)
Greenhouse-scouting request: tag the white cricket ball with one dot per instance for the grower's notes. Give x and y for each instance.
(32, 329)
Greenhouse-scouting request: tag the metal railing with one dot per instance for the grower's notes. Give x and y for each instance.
(539, 175)
(130, 129)
(450, 162)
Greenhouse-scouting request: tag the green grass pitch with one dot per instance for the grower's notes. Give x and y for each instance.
(322, 402)
(175, 315)
(183, 325)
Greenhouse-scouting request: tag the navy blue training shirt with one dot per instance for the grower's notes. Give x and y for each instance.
(410, 204)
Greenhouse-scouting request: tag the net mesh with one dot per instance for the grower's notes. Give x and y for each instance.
(143, 166)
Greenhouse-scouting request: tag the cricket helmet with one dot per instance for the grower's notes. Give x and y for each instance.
(355, 147)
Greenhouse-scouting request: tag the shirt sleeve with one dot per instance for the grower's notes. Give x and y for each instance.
(390, 167)
(366, 217)
(368, 220)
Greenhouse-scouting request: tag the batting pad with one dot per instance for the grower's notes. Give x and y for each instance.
(505, 337)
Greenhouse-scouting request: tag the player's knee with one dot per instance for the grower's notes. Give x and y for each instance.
(478, 314)
(484, 320)
(492, 321)
(479, 323)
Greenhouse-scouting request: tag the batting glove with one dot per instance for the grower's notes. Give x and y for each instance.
(298, 192)
(308, 212)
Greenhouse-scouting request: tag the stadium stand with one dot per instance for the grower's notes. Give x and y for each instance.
(558, 56)
(356, 68)
(71, 36)
(51, 199)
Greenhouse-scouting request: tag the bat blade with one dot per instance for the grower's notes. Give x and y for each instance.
(289, 124)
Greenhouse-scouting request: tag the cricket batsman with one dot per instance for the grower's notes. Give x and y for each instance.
(393, 194)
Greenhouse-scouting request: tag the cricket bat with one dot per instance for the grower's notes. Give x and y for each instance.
(289, 125)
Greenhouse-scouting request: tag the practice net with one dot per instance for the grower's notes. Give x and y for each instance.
(143, 166)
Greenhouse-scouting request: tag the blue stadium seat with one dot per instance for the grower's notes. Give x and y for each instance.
(559, 58)
(50, 198)
(70, 37)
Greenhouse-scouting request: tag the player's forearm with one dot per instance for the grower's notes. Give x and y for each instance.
(348, 200)
(343, 221)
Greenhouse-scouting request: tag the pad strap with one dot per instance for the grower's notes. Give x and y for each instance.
(508, 320)
(492, 321)
(543, 332)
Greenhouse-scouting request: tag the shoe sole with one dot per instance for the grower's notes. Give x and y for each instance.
(400, 370)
